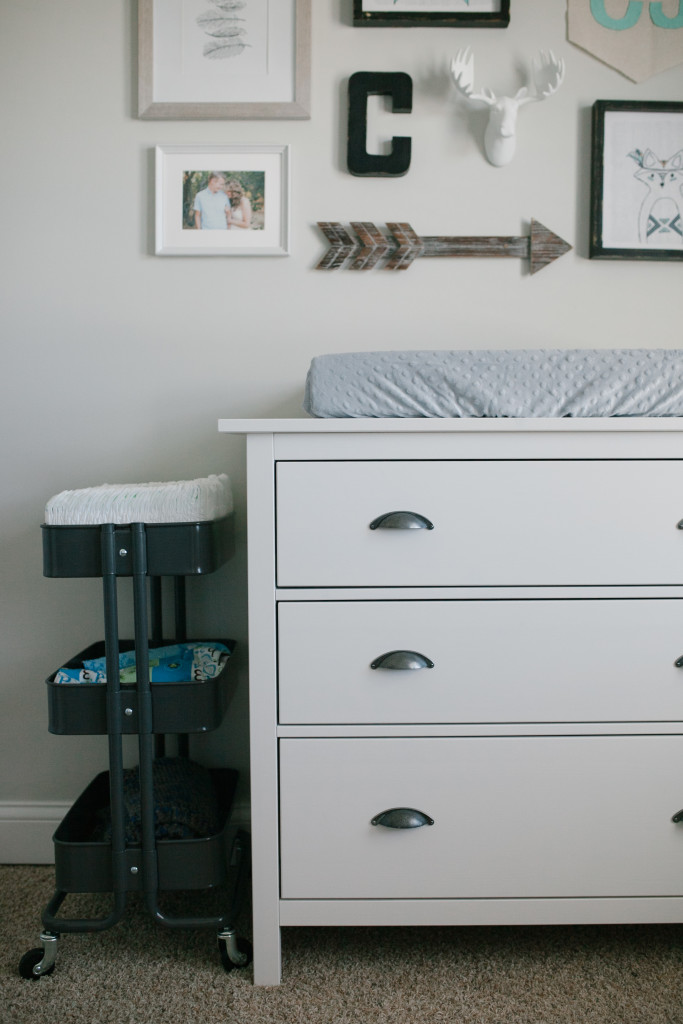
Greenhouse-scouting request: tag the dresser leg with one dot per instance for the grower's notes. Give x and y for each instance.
(266, 955)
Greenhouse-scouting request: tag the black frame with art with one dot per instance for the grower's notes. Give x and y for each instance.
(625, 222)
(431, 19)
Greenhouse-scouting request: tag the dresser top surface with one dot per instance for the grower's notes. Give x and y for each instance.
(424, 425)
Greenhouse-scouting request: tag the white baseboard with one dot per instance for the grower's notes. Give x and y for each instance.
(26, 829)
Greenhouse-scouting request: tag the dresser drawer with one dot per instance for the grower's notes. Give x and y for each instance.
(493, 661)
(574, 816)
(495, 523)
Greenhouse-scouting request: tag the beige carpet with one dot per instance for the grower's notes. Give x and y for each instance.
(138, 973)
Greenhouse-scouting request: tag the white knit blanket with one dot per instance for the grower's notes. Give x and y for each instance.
(179, 501)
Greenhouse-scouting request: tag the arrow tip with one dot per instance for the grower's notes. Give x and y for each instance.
(545, 246)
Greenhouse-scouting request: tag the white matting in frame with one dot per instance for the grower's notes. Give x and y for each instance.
(189, 205)
(226, 59)
(638, 149)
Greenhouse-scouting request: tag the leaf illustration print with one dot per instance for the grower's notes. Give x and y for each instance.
(225, 28)
(220, 49)
(216, 25)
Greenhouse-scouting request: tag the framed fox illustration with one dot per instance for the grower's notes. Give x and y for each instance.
(637, 181)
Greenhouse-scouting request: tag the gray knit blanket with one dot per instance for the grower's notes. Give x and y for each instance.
(526, 382)
(185, 805)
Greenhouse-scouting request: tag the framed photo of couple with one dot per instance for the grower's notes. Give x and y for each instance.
(222, 200)
(224, 59)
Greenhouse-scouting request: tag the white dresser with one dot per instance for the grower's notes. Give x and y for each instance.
(465, 705)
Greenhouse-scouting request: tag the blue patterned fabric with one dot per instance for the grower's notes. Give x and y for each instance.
(187, 662)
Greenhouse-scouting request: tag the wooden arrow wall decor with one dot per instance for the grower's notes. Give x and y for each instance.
(368, 246)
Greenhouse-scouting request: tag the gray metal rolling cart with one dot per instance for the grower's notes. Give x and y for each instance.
(90, 858)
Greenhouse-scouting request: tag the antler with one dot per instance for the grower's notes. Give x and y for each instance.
(548, 72)
(462, 71)
(548, 75)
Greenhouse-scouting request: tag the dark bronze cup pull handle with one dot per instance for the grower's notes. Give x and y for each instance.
(402, 660)
(679, 662)
(678, 816)
(402, 817)
(401, 521)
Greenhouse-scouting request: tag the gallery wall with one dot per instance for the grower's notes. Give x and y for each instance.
(118, 363)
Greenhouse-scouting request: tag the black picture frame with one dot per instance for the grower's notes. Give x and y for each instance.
(627, 222)
(431, 19)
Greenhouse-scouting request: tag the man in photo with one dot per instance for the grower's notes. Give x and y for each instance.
(211, 205)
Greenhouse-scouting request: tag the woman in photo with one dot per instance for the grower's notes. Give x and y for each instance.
(240, 206)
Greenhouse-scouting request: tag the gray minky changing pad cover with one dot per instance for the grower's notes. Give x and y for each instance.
(493, 383)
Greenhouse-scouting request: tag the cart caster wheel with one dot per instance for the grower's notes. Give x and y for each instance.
(30, 961)
(240, 955)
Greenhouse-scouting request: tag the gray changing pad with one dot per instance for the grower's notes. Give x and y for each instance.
(527, 382)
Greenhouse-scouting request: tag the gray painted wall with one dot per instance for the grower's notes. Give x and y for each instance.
(118, 363)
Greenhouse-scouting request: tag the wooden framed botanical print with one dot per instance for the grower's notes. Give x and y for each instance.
(236, 60)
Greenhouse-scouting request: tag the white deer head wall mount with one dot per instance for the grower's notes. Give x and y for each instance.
(500, 138)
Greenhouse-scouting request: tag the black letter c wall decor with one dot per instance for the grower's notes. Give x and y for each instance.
(362, 84)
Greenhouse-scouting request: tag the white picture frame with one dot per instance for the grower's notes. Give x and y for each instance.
(188, 223)
(224, 59)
